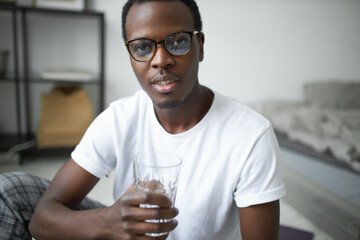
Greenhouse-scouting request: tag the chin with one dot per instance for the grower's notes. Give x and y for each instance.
(171, 103)
(168, 104)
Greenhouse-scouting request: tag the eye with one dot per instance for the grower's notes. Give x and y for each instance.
(141, 48)
(181, 40)
(178, 43)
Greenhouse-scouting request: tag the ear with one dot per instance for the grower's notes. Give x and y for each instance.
(201, 39)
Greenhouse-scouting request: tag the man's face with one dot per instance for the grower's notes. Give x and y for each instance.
(167, 79)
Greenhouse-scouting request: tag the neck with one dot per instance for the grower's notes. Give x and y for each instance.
(185, 116)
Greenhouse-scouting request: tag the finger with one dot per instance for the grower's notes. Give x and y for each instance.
(130, 189)
(141, 228)
(136, 198)
(142, 214)
(155, 186)
(145, 237)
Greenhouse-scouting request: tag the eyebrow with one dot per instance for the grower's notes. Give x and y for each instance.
(161, 38)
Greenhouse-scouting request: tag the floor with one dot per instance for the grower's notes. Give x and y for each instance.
(341, 182)
(103, 192)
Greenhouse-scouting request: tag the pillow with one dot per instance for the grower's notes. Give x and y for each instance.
(333, 94)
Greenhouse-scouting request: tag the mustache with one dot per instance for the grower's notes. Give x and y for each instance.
(164, 77)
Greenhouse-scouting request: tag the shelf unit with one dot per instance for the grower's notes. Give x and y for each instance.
(22, 80)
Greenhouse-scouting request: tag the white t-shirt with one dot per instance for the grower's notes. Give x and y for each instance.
(230, 160)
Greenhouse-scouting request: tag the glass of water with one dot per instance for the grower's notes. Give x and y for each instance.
(157, 172)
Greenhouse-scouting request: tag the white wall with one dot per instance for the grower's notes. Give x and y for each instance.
(272, 47)
(278, 45)
(254, 49)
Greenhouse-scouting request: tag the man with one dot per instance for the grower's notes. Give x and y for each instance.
(230, 180)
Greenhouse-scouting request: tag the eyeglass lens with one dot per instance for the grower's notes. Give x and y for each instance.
(176, 44)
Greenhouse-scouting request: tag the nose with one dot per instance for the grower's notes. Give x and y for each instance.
(162, 58)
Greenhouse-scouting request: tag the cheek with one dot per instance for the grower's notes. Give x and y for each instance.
(139, 70)
(193, 60)
(191, 65)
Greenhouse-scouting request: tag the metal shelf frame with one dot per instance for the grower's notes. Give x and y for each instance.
(22, 85)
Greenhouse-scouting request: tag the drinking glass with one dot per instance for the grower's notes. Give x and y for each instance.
(157, 172)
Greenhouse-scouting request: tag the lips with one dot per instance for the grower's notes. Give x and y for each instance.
(165, 83)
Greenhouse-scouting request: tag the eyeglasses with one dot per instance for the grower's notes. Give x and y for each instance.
(177, 44)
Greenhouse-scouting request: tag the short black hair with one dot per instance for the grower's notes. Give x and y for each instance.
(191, 4)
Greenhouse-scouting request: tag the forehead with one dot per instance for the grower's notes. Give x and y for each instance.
(157, 19)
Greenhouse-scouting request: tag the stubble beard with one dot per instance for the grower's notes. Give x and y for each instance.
(170, 104)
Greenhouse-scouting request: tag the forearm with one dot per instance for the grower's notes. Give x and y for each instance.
(53, 220)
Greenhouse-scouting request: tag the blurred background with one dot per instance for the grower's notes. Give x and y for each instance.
(256, 51)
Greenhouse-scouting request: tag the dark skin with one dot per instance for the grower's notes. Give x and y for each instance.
(195, 99)
(54, 217)
(177, 111)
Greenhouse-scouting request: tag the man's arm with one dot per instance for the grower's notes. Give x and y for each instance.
(260, 222)
(55, 216)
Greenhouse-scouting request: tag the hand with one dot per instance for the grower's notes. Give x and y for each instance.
(126, 220)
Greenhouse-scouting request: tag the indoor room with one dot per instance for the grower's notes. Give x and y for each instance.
(295, 62)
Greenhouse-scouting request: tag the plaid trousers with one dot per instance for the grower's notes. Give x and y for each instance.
(19, 194)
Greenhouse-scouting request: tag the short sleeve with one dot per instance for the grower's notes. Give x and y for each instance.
(95, 152)
(260, 180)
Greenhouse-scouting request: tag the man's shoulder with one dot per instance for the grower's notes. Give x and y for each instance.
(133, 103)
(138, 96)
(236, 111)
(126, 108)
(241, 125)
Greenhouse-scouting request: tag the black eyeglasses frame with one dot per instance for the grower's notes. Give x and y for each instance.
(192, 33)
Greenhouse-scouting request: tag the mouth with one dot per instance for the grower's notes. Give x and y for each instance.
(165, 83)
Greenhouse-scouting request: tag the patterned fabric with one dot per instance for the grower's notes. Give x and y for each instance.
(19, 194)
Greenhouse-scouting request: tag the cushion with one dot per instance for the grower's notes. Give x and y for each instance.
(333, 94)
